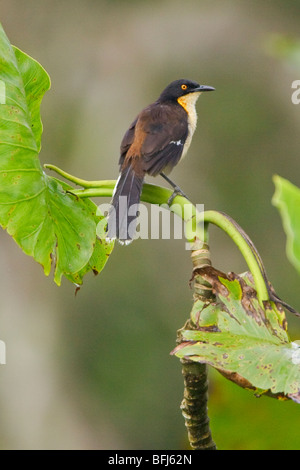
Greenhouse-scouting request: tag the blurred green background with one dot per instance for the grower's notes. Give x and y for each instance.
(94, 371)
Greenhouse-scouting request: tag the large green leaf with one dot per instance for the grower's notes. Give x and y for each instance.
(287, 201)
(48, 223)
(244, 340)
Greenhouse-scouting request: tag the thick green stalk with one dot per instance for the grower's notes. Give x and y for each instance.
(195, 396)
(194, 405)
(252, 259)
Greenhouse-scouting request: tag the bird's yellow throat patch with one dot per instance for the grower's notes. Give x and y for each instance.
(188, 102)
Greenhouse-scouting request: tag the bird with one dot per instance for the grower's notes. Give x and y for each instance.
(155, 142)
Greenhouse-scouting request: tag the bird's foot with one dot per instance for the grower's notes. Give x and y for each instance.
(177, 192)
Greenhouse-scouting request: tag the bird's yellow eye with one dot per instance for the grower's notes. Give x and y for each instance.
(183, 87)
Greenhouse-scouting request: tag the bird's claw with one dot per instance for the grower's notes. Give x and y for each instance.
(177, 192)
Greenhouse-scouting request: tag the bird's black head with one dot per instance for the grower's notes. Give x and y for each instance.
(182, 87)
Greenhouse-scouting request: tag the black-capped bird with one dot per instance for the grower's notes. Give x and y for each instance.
(155, 142)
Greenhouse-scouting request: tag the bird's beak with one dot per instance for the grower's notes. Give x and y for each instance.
(204, 88)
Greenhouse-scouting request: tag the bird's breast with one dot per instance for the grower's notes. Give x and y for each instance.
(188, 102)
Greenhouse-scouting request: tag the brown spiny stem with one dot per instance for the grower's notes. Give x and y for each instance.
(194, 403)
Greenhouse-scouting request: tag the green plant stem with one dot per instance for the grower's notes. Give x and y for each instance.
(159, 195)
(195, 395)
(220, 220)
(80, 182)
(194, 405)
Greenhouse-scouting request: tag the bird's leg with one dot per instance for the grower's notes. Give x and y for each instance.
(177, 190)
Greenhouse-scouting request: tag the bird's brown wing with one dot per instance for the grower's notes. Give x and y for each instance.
(166, 131)
(155, 140)
(127, 141)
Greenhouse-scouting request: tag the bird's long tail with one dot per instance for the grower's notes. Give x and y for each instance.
(124, 206)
